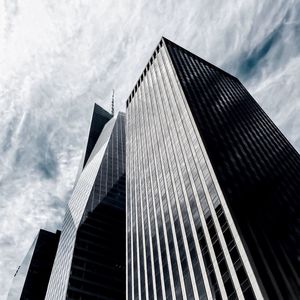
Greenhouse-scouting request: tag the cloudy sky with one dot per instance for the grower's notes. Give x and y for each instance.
(59, 57)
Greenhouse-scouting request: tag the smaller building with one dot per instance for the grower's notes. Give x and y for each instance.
(32, 277)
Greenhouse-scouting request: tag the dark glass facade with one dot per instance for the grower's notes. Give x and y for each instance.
(212, 187)
(98, 266)
(257, 168)
(37, 274)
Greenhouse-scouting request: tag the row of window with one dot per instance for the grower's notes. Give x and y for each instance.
(137, 222)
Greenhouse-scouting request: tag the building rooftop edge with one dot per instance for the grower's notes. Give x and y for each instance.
(164, 40)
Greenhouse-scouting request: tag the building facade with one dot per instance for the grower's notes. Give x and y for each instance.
(32, 277)
(98, 264)
(90, 260)
(212, 187)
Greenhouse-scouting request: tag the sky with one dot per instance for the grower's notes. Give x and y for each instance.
(59, 57)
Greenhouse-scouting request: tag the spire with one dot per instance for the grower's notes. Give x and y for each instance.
(113, 103)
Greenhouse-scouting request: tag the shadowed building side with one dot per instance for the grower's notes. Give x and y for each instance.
(32, 277)
(257, 168)
(98, 266)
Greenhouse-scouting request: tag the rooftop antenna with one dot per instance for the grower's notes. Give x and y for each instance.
(113, 103)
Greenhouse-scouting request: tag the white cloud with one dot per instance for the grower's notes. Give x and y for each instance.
(57, 58)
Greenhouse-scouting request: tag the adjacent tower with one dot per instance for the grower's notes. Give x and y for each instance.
(90, 260)
(32, 277)
(212, 187)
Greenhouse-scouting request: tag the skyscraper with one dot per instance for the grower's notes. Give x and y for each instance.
(90, 260)
(31, 279)
(212, 187)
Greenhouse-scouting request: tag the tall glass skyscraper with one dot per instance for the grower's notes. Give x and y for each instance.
(212, 187)
(90, 260)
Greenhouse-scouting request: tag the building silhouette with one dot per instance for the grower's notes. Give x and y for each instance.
(213, 187)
